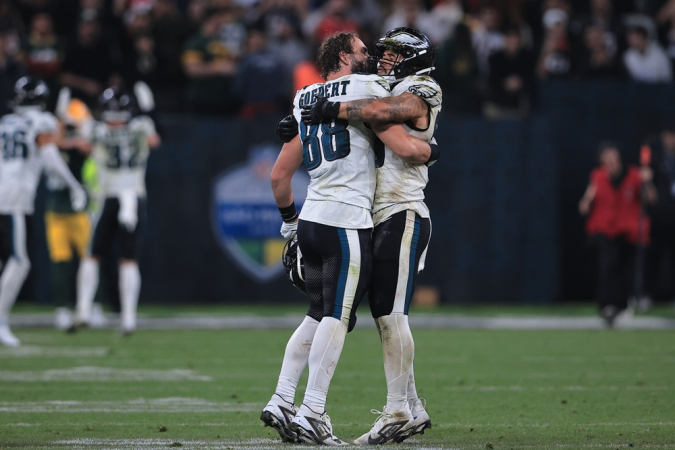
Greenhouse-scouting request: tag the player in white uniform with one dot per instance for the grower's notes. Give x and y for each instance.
(334, 231)
(121, 146)
(27, 142)
(402, 222)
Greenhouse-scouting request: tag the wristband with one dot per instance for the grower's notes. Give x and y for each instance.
(289, 213)
(435, 153)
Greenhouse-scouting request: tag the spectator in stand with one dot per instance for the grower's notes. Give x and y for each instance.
(10, 71)
(260, 83)
(89, 64)
(596, 62)
(42, 50)
(169, 32)
(487, 38)
(306, 72)
(511, 82)
(446, 14)
(603, 18)
(613, 203)
(411, 13)
(661, 255)
(287, 44)
(335, 20)
(645, 60)
(457, 72)
(210, 69)
(555, 59)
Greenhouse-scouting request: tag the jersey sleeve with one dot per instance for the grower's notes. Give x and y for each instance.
(45, 123)
(422, 86)
(144, 125)
(377, 87)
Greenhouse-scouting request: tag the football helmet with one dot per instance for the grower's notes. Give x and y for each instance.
(30, 91)
(415, 48)
(116, 105)
(292, 259)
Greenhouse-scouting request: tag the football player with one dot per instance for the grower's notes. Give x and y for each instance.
(67, 229)
(404, 57)
(121, 143)
(333, 230)
(27, 141)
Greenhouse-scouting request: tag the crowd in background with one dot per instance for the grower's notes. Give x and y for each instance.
(248, 57)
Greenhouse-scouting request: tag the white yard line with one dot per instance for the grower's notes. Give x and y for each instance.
(416, 321)
(141, 405)
(77, 374)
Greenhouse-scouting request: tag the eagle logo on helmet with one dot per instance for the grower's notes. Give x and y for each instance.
(415, 48)
(292, 259)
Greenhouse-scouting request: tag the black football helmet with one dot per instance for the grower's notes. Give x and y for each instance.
(116, 105)
(292, 259)
(30, 91)
(414, 46)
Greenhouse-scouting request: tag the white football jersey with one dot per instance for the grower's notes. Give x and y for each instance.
(121, 154)
(20, 164)
(339, 156)
(400, 185)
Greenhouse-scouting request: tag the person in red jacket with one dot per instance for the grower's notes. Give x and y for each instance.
(616, 223)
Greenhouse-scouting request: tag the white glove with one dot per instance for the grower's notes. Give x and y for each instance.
(127, 215)
(289, 230)
(78, 198)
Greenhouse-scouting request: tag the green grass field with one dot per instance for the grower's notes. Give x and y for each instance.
(205, 389)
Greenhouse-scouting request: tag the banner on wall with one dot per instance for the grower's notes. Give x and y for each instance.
(245, 217)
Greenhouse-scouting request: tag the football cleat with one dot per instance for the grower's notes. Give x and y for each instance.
(388, 426)
(314, 428)
(421, 419)
(278, 414)
(7, 338)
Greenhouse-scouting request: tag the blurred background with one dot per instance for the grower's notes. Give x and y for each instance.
(531, 87)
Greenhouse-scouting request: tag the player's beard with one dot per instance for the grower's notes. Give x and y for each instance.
(358, 66)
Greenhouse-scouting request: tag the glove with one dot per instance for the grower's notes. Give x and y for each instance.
(287, 128)
(289, 230)
(320, 111)
(78, 199)
(127, 215)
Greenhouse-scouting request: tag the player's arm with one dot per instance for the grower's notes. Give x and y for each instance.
(154, 141)
(46, 143)
(405, 146)
(587, 200)
(287, 163)
(402, 108)
(81, 144)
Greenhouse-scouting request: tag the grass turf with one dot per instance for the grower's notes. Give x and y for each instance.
(205, 389)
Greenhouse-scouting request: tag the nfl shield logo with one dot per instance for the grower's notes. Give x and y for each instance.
(246, 219)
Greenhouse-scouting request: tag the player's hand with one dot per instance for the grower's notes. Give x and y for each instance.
(289, 230)
(78, 199)
(322, 110)
(287, 128)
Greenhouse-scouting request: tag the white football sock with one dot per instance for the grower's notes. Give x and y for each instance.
(323, 359)
(87, 284)
(15, 273)
(398, 349)
(130, 287)
(295, 358)
(412, 390)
